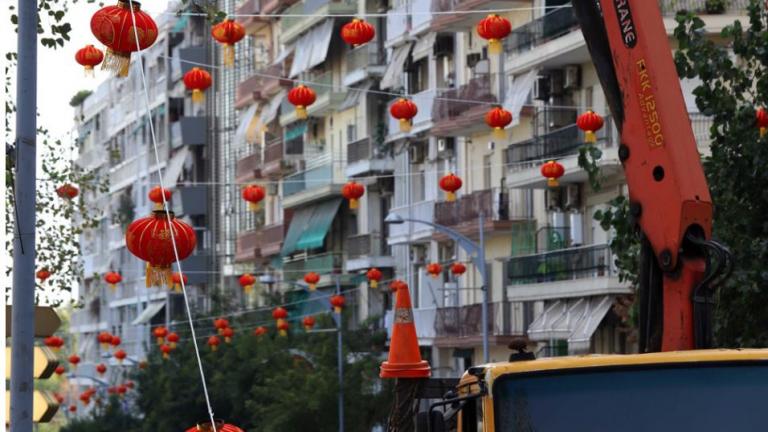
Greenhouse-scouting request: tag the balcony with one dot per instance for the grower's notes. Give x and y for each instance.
(260, 87)
(274, 165)
(251, 7)
(367, 250)
(732, 7)
(191, 131)
(193, 200)
(454, 115)
(547, 27)
(307, 13)
(461, 326)
(424, 100)
(323, 263)
(398, 25)
(575, 272)
(247, 246)
(244, 94)
(248, 168)
(319, 182)
(259, 244)
(363, 62)
(271, 6)
(271, 238)
(364, 157)
(446, 22)
(423, 319)
(462, 215)
(410, 231)
(329, 97)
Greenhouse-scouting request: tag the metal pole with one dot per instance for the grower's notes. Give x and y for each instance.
(23, 295)
(484, 274)
(340, 360)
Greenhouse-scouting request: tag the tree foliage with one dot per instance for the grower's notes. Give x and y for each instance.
(110, 417)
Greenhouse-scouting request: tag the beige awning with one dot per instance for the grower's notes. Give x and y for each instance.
(424, 46)
(312, 48)
(574, 320)
(174, 167)
(269, 112)
(148, 313)
(393, 76)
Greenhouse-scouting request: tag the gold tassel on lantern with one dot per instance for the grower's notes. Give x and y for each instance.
(214, 348)
(499, 134)
(337, 309)
(166, 356)
(312, 286)
(247, 289)
(283, 332)
(590, 137)
(301, 112)
(494, 46)
(253, 206)
(117, 63)
(197, 96)
(373, 283)
(89, 72)
(763, 131)
(159, 206)
(353, 204)
(158, 276)
(177, 287)
(405, 125)
(113, 287)
(229, 55)
(450, 196)
(552, 182)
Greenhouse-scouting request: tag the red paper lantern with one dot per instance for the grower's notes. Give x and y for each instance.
(353, 191)
(450, 183)
(122, 389)
(213, 343)
(101, 368)
(590, 122)
(220, 427)
(220, 324)
(552, 170)
(88, 57)
(160, 333)
(120, 355)
(228, 33)
(312, 279)
(85, 398)
(113, 278)
(282, 327)
(358, 32)
(458, 269)
(434, 270)
(73, 408)
(197, 80)
(176, 279)
(129, 384)
(228, 333)
(105, 339)
(74, 359)
(260, 331)
(308, 322)
(60, 370)
(116, 341)
(494, 28)
(374, 276)
(59, 398)
(396, 285)
(159, 196)
(498, 118)
(114, 27)
(254, 194)
(166, 351)
(43, 274)
(761, 117)
(53, 342)
(246, 281)
(67, 191)
(152, 239)
(279, 313)
(337, 302)
(404, 110)
(173, 339)
(301, 97)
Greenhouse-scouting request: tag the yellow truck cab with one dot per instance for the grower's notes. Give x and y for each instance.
(702, 390)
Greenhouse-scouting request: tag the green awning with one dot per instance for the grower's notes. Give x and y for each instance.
(180, 24)
(295, 131)
(309, 226)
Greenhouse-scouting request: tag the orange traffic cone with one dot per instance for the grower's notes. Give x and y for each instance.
(404, 357)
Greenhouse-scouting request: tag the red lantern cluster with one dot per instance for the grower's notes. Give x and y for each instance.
(312, 279)
(260, 331)
(246, 281)
(494, 28)
(88, 57)
(116, 341)
(152, 239)
(337, 302)
(761, 117)
(552, 170)
(105, 339)
(280, 315)
(173, 340)
(404, 110)
(358, 32)
(353, 191)
(458, 269)
(254, 195)
(220, 324)
(160, 333)
(301, 97)
(590, 122)
(308, 322)
(450, 183)
(197, 80)
(176, 279)
(374, 276)
(67, 191)
(228, 334)
(213, 343)
(397, 284)
(114, 27)
(228, 33)
(54, 342)
(43, 274)
(434, 269)
(165, 350)
(113, 278)
(498, 118)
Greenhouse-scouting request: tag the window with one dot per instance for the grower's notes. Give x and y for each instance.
(418, 76)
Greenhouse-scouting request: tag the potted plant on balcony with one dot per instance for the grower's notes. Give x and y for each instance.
(715, 7)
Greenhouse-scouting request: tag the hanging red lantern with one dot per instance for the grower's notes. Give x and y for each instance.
(43, 274)
(434, 269)
(220, 427)
(590, 122)
(357, 32)
(228, 334)
(552, 170)
(116, 341)
(213, 343)
(129, 384)
(74, 359)
(120, 355)
(143, 364)
(85, 398)
(312, 279)
(260, 331)
(254, 194)
(280, 314)
(374, 276)
(173, 339)
(114, 27)
(396, 285)
(458, 269)
(105, 339)
(301, 97)
(88, 57)
(165, 350)
(197, 80)
(160, 333)
(73, 408)
(228, 33)
(353, 191)
(59, 398)
(494, 28)
(177, 278)
(282, 327)
(761, 116)
(113, 278)
(246, 281)
(337, 302)
(450, 183)
(308, 322)
(122, 389)
(498, 118)
(101, 368)
(159, 196)
(54, 342)
(152, 239)
(220, 324)
(60, 370)
(404, 110)
(67, 191)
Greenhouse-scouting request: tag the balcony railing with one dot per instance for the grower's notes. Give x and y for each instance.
(248, 167)
(273, 152)
(454, 103)
(424, 210)
(297, 14)
(534, 33)
(398, 22)
(365, 245)
(566, 264)
(466, 322)
(323, 263)
(271, 238)
(316, 177)
(362, 149)
(670, 7)
(369, 54)
(493, 203)
(247, 246)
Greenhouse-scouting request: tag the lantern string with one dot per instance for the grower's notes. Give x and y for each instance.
(168, 215)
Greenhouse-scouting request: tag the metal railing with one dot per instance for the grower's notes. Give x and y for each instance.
(301, 11)
(547, 27)
(273, 151)
(398, 21)
(318, 176)
(272, 234)
(452, 103)
(246, 245)
(248, 165)
(371, 244)
(671, 7)
(369, 54)
(493, 203)
(320, 263)
(565, 264)
(464, 321)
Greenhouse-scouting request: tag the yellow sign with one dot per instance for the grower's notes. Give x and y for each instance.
(45, 362)
(44, 406)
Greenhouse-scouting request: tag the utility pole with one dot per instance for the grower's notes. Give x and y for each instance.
(486, 284)
(340, 359)
(23, 291)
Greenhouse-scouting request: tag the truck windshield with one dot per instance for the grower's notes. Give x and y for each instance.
(724, 397)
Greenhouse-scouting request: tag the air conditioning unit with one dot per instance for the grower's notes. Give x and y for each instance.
(572, 77)
(446, 147)
(572, 195)
(541, 89)
(416, 153)
(272, 189)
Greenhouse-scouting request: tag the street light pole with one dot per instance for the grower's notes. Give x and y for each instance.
(340, 359)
